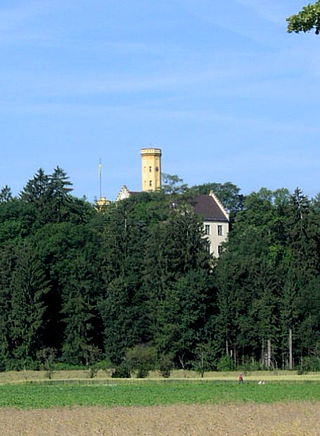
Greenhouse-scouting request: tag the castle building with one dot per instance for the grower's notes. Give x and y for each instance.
(208, 207)
(150, 173)
(215, 221)
(151, 169)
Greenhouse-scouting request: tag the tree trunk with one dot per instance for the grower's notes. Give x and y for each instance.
(290, 350)
(262, 354)
(269, 354)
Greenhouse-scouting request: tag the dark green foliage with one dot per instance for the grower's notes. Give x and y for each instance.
(166, 365)
(47, 357)
(172, 184)
(182, 316)
(141, 359)
(7, 265)
(17, 220)
(121, 371)
(51, 198)
(92, 356)
(5, 194)
(202, 360)
(225, 363)
(123, 306)
(120, 318)
(268, 279)
(78, 310)
(27, 300)
(137, 276)
(307, 19)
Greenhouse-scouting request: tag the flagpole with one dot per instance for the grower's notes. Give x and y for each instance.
(100, 177)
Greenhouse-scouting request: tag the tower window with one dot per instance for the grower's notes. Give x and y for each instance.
(157, 169)
(150, 182)
(150, 169)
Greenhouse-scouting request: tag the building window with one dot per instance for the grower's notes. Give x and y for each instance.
(150, 169)
(208, 246)
(220, 249)
(220, 230)
(207, 229)
(150, 182)
(157, 169)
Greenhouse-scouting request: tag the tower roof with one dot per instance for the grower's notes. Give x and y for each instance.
(151, 151)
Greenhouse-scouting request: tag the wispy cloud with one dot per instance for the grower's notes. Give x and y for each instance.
(228, 18)
(274, 12)
(16, 16)
(231, 121)
(17, 22)
(81, 84)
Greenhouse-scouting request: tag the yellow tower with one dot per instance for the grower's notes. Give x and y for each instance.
(151, 169)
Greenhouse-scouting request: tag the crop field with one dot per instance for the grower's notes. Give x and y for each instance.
(250, 419)
(152, 394)
(171, 407)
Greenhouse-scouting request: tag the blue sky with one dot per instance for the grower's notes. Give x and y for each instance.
(220, 86)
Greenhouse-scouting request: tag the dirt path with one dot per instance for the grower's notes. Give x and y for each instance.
(245, 419)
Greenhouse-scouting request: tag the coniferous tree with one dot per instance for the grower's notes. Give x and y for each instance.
(5, 194)
(78, 309)
(59, 194)
(177, 284)
(122, 306)
(36, 192)
(28, 288)
(7, 266)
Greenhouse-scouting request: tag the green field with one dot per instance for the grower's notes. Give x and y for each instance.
(152, 393)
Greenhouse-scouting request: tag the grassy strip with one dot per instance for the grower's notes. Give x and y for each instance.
(147, 394)
(103, 376)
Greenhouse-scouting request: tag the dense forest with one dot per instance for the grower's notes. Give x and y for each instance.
(137, 275)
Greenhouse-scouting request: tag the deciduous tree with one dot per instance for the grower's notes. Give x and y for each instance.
(306, 20)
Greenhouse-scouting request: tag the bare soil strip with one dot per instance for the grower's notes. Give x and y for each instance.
(276, 419)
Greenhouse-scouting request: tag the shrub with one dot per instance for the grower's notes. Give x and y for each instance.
(46, 357)
(203, 356)
(19, 365)
(249, 365)
(309, 363)
(141, 358)
(121, 371)
(225, 363)
(2, 365)
(92, 355)
(104, 364)
(64, 366)
(165, 365)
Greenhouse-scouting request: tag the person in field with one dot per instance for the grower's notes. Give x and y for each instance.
(241, 378)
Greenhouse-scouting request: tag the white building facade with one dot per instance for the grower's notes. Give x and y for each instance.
(215, 221)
